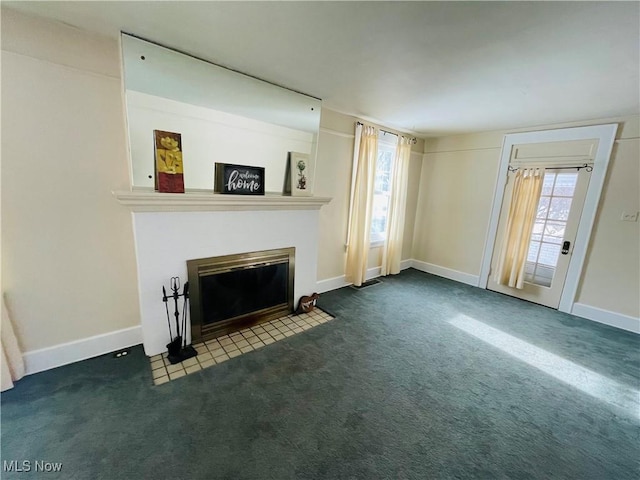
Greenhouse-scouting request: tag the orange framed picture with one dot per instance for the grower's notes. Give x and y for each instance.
(168, 162)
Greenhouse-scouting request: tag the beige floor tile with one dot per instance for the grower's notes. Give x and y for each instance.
(213, 344)
(254, 340)
(157, 364)
(246, 349)
(155, 358)
(160, 380)
(278, 336)
(160, 372)
(202, 348)
(268, 327)
(217, 351)
(208, 363)
(226, 341)
(268, 341)
(178, 374)
(230, 348)
(264, 336)
(289, 333)
(221, 358)
(234, 353)
(257, 345)
(193, 368)
(190, 362)
(297, 330)
(258, 330)
(174, 368)
(242, 343)
(205, 356)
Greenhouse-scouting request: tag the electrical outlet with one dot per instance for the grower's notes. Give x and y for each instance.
(629, 217)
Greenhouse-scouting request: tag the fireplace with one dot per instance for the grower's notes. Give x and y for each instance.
(231, 292)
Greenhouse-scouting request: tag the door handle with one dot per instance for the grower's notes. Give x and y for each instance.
(565, 247)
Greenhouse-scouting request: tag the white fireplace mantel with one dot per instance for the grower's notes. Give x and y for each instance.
(151, 201)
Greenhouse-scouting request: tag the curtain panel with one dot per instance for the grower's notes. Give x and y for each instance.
(522, 216)
(361, 203)
(392, 251)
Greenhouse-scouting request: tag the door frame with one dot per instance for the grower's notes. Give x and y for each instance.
(606, 135)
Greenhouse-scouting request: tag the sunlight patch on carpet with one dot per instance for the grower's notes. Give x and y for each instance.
(585, 380)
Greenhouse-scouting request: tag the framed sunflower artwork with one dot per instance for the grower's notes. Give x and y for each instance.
(168, 162)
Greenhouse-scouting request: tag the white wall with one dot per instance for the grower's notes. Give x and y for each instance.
(67, 246)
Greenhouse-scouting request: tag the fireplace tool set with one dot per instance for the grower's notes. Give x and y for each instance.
(177, 347)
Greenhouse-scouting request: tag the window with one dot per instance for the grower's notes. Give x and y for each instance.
(548, 231)
(382, 189)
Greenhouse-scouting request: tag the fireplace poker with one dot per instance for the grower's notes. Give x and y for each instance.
(185, 299)
(165, 299)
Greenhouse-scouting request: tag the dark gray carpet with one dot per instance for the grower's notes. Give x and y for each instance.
(391, 389)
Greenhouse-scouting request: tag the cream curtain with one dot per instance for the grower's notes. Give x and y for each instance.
(522, 216)
(392, 251)
(361, 205)
(11, 362)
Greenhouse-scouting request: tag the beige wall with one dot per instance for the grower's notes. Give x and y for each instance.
(333, 179)
(456, 192)
(68, 262)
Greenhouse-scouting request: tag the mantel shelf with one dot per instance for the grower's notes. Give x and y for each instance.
(151, 201)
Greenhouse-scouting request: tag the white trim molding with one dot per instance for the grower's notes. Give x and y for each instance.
(444, 272)
(146, 200)
(606, 136)
(71, 352)
(613, 319)
(338, 282)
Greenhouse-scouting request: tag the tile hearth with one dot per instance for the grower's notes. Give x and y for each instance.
(221, 349)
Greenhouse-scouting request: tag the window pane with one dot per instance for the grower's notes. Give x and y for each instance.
(543, 207)
(547, 184)
(532, 256)
(379, 216)
(549, 254)
(565, 184)
(559, 208)
(383, 171)
(554, 231)
(384, 164)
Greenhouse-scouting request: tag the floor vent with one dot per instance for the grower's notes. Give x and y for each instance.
(368, 283)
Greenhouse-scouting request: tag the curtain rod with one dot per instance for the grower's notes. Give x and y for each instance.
(414, 140)
(586, 166)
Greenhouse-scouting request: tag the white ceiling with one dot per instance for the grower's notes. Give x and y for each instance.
(430, 68)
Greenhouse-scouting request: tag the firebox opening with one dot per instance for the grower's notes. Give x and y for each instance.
(234, 291)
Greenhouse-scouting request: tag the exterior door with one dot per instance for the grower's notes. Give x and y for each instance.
(554, 232)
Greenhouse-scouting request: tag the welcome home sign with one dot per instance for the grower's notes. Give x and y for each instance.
(238, 179)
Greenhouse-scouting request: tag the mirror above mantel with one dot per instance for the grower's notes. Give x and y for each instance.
(222, 115)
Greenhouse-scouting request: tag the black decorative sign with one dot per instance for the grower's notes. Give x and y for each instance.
(239, 179)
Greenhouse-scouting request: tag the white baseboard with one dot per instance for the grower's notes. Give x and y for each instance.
(332, 284)
(341, 281)
(65, 353)
(462, 277)
(613, 319)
